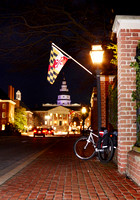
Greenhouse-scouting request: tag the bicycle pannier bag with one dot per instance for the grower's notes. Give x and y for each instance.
(103, 138)
(114, 138)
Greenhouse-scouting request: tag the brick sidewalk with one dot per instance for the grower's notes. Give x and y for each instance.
(57, 174)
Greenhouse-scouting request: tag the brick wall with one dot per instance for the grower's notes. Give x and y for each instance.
(105, 80)
(94, 111)
(133, 166)
(8, 109)
(128, 34)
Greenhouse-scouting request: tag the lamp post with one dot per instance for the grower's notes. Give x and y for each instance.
(97, 56)
(83, 111)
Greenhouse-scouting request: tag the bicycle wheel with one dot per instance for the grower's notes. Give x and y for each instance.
(84, 149)
(107, 154)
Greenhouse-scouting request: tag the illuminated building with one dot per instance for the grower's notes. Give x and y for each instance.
(7, 107)
(58, 115)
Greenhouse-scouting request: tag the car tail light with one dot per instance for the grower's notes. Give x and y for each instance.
(35, 131)
(43, 131)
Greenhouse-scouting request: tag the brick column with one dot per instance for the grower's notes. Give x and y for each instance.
(105, 80)
(127, 29)
(94, 111)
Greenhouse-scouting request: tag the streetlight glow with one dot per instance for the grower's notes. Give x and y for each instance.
(96, 54)
(84, 110)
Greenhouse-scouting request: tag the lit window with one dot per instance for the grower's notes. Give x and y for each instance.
(3, 106)
(64, 122)
(3, 127)
(3, 115)
(47, 117)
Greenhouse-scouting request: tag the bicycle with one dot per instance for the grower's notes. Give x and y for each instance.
(86, 147)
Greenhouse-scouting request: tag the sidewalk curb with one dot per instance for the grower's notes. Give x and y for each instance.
(14, 171)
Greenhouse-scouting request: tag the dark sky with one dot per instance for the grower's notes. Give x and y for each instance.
(28, 26)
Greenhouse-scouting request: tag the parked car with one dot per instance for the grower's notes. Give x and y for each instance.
(39, 132)
(50, 131)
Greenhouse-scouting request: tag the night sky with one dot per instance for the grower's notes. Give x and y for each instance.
(28, 26)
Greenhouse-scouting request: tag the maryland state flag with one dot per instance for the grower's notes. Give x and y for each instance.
(57, 61)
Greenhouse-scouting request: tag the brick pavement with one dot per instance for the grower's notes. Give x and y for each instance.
(58, 175)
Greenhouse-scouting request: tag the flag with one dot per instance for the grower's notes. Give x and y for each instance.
(57, 61)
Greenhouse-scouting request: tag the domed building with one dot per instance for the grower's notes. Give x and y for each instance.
(59, 115)
(64, 97)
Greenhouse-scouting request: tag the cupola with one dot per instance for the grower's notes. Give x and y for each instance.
(64, 97)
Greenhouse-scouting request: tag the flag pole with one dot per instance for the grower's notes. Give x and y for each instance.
(71, 58)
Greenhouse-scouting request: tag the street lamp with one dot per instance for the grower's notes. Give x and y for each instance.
(97, 56)
(83, 111)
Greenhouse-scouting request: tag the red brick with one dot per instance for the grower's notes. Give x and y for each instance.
(125, 34)
(126, 42)
(126, 50)
(135, 30)
(135, 38)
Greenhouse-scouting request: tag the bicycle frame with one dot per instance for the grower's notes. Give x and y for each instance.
(91, 139)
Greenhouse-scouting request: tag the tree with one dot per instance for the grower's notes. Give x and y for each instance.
(76, 118)
(20, 118)
(27, 27)
(38, 119)
(114, 49)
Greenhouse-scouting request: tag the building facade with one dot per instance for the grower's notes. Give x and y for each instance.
(7, 108)
(59, 116)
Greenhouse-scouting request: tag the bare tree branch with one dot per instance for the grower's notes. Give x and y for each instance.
(27, 34)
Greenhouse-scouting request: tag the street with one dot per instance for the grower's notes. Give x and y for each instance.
(57, 173)
(15, 150)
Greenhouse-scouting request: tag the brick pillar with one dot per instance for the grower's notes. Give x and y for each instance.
(127, 29)
(105, 80)
(94, 110)
(11, 92)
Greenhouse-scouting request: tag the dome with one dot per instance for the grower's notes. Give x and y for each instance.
(64, 97)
